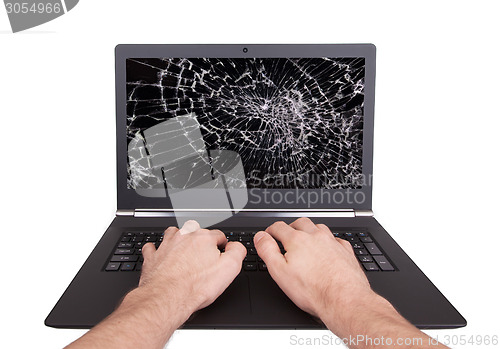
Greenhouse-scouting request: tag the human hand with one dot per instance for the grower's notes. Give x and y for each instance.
(189, 270)
(318, 272)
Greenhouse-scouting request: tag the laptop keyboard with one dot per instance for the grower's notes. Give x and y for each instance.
(127, 254)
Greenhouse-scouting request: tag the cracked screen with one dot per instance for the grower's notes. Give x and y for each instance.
(295, 122)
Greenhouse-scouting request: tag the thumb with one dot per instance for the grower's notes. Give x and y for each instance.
(148, 251)
(268, 250)
(230, 265)
(233, 255)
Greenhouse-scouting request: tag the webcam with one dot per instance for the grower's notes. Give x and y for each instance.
(245, 50)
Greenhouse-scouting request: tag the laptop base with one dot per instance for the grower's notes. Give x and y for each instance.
(253, 300)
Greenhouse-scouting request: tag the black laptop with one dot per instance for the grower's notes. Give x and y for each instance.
(300, 119)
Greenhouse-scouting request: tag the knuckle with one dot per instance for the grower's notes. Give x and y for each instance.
(170, 229)
(277, 225)
(219, 232)
(303, 220)
(346, 244)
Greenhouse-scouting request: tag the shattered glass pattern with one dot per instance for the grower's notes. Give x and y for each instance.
(295, 122)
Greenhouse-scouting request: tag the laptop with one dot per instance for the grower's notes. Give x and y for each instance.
(289, 131)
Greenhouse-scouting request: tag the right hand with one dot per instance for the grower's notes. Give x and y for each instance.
(318, 272)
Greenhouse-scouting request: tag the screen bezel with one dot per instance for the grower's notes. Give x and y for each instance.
(128, 199)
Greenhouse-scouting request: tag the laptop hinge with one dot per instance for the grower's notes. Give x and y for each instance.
(279, 212)
(363, 213)
(252, 212)
(125, 213)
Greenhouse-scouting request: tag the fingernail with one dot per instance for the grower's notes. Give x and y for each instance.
(258, 236)
(189, 227)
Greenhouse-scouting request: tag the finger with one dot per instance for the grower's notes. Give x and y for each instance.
(281, 231)
(235, 252)
(216, 235)
(230, 264)
(220, 238)
(345, 244)
(189, 226)
(170, 232)
(267, 248)
(148, 250)
(304, 224)
(324, 228)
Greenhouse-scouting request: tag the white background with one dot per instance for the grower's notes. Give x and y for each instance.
(436, 141)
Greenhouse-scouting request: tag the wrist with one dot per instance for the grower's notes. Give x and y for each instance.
(344, 315)
(157, 306)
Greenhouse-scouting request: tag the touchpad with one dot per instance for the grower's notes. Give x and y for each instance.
(272, 307)
(231, 308)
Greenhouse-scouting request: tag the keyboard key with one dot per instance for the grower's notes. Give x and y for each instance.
(113, 266)
(127, 266)
(124, 258)
(250, 266)
(383, 263)
(124, 251)
(372, 248)
(356, 245)
(365, 259)
(370, 266)
(128, 255)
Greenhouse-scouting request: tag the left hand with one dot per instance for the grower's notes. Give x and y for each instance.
(189, 269)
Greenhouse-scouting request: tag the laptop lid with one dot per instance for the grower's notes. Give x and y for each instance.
(299, 116)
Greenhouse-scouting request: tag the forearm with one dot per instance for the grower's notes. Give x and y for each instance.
(371, 321)
(143, 320)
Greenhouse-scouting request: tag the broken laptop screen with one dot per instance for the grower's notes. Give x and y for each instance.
(294, 122)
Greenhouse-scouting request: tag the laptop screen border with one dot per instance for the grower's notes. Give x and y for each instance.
(357, 199)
